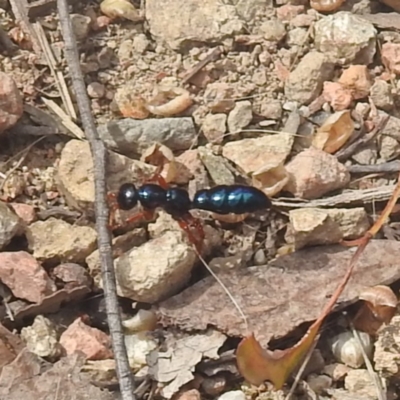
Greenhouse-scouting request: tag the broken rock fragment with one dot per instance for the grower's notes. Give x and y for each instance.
(386, 360)
(306, 80)
(56, 240)
(250, 154)
(11, 104)
(314, 226)
(120, 245)
(41, 338)
(210, 23)
(214, 127)
(75, 173)
(156, 269)
(240, 117)
(10, 225)
(132, 137)
(391, 57)
(24, 276)
(346, 38)
(313, 173)
(92, 342)
(25, 211)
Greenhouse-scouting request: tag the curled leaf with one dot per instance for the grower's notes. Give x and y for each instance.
(271, 178)
(334, 133)
(379, 307)
(169, 101)
(258, 365)
(161, 156)
(143, 321)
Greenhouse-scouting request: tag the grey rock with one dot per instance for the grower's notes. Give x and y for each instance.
(211, 22)
(240, 116)
(131, 137)
(381, 95)
(306, 80)
(10, 225)
(346, 38)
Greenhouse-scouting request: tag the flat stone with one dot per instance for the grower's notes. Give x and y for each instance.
(251, 154)
(55, 240)
(210, 23)
(132, 137)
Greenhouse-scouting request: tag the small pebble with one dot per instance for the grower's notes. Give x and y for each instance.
(80, 25)
(96, 90)
(259, 257)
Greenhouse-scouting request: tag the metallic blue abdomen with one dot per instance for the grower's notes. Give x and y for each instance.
(235, 199)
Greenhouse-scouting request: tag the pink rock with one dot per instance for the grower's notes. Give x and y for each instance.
(288, 12)
(391, 56)
(338, 96)
(92, 342)
(25, 211)
(312, 173)
(25, 277)
(11, 105)
(357, 78)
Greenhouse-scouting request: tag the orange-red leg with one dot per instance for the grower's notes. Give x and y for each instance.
(157, 178)
(144, 214)
(189, 224)
(112, 203)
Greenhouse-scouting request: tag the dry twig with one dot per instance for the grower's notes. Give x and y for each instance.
(57, 74)
(101, 210)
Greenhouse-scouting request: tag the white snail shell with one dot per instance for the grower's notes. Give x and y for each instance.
(346, 348)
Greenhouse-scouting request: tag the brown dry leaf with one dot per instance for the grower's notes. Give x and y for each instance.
(334, 132)
(30, 377)
(279, 298)
(271, 178)
(175, 367)
(378, 308)
(161, 156)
